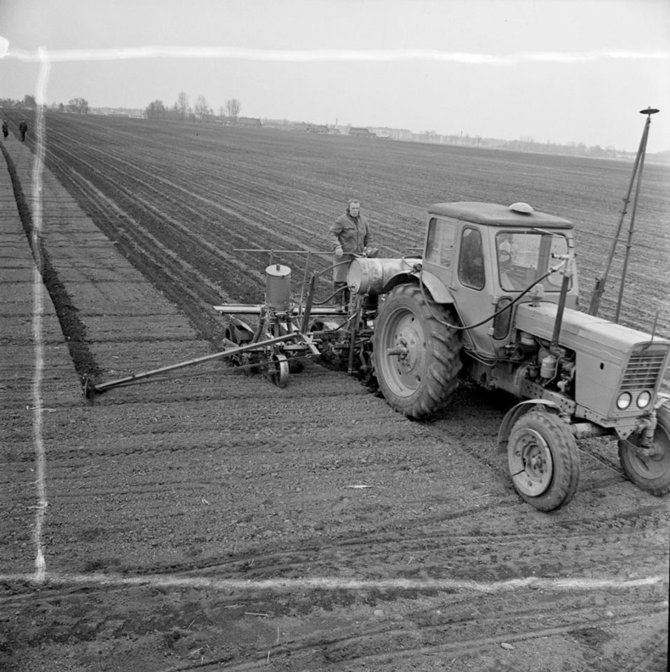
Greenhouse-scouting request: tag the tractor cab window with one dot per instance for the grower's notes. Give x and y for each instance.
(471, 259)
(440, 241)
(524, 256)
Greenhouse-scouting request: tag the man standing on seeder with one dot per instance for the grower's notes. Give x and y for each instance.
(351, 238)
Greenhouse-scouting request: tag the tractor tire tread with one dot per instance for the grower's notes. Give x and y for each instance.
(565, 456)
(659, 484)
(441, 377)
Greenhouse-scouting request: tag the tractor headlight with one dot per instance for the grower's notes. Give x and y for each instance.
(623, 401)
(643, 399)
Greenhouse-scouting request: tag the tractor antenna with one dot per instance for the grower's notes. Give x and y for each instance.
(636, 180)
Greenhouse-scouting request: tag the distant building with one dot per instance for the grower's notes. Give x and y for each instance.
(361, 131)
(251, 122)
(393, 133)
(117, 112)
(317, 128)
(247, 122)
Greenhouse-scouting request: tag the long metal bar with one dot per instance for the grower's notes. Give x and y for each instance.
(601, 281)
(252, 309)
(102, 387)
(258, 249)
(352, 346)
(240, 308)
(308, 305)
(304, 278)
(631, 226)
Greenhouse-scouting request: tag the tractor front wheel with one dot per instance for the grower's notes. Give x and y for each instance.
(543, 460)
(416, 355)
(649, 472)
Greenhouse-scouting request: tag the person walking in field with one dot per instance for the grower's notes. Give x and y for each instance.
(5, 128)
(23, 129)
(351, 237)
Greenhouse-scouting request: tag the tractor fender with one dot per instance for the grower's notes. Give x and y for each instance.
(435, 286)
(514, 414)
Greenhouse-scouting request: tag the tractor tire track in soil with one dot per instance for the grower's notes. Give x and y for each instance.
(400, 629)
(209, 520)
(74, 331)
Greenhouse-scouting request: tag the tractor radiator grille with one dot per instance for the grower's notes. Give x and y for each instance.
(643, 370)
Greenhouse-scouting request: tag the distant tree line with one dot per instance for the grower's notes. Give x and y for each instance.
(182, 110)
(229, 113)
(74, 106)
(27, 102)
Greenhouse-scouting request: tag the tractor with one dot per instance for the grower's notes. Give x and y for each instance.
(494, 300)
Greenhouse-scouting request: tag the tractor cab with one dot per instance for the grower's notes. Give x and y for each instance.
(487, 255)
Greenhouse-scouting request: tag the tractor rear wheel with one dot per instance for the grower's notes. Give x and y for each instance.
(543, 460)
(417, 359)
(650, 473)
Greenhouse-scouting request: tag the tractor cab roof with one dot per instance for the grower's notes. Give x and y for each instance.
(492, 214)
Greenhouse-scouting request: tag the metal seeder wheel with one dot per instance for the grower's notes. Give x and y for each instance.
(278, 370)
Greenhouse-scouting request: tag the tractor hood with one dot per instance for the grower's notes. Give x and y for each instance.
(581, 331)
(609, 357)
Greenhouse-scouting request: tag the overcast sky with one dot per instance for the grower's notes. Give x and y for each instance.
(552, 70)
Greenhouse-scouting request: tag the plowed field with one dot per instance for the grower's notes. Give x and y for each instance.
(209, 520)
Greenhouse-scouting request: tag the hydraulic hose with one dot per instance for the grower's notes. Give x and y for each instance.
(493, 315)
